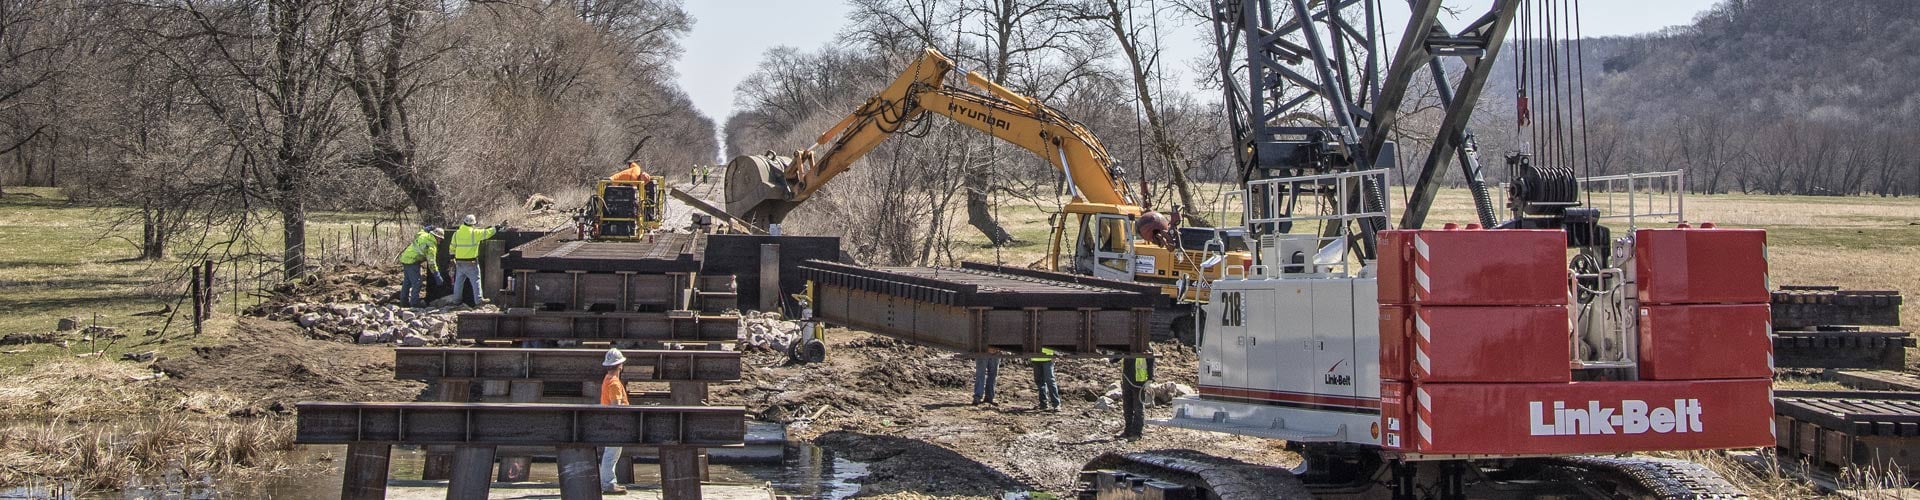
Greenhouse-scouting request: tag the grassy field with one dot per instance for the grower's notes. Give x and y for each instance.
(57, 260)
(1854, 242)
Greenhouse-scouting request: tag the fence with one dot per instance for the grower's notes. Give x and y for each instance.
(1653, 195)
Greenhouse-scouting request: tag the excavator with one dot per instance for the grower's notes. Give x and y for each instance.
(1117, 239)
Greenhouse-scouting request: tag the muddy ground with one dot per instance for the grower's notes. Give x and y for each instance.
(270, 365)
(906, 411)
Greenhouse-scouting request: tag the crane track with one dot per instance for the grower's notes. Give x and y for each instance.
(1228, 479)
(1662, 478)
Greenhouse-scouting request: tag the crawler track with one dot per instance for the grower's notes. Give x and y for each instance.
(1658, 477)
(1177, 474)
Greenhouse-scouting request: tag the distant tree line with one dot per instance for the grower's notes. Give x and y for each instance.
(231, 114)
(1756, 96)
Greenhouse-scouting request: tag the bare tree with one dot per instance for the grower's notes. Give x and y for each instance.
(1141, 51)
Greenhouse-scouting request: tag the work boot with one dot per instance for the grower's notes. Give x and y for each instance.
(613, 490)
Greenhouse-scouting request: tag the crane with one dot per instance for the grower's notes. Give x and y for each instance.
(1475, 362)
(1116, 240)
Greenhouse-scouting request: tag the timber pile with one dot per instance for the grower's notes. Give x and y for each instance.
(1826, 327)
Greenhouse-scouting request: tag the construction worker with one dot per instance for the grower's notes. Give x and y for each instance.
(632, 173)
(986, 373)
(1043, 380)
(612, 392)
(424, 250)
(466, 258)
(1135, 372)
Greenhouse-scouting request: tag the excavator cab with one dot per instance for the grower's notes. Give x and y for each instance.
(1105, 248)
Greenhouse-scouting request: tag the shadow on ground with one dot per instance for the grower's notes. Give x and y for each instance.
(895, 464)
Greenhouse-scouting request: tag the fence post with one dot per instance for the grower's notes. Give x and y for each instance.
(353, 231)
(193, 285)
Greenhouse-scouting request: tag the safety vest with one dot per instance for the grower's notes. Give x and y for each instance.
(424, 249)
(1047, 355)
(466, 242)
(1139, 370)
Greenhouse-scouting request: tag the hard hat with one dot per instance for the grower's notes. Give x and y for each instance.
(614, 358)
(437, 232)
(470, 220)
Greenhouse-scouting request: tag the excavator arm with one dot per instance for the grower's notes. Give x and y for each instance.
(763, 188)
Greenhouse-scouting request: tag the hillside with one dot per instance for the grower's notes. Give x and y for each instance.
(1766, 96)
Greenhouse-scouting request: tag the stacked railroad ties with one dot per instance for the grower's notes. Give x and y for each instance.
(1702, 345)
(1827, 328)
(648, 297)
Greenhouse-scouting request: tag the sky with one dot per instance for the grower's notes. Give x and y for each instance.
(729, 36)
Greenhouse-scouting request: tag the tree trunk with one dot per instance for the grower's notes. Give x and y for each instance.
(1168, 151)
(153, 238)
(293, 229)
(979, 213)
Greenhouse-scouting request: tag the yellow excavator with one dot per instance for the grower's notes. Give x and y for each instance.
(1117, 239)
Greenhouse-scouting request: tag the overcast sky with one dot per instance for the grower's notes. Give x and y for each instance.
(730, 35)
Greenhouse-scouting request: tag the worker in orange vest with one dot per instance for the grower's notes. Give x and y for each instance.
(612, 392)
(632, 173)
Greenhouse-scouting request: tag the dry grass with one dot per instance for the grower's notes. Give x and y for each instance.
(96, 390)
(1770, 484)
(170, 449)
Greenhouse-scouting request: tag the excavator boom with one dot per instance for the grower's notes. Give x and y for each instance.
(763, 188)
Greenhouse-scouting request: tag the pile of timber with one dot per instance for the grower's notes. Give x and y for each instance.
(1827, 327)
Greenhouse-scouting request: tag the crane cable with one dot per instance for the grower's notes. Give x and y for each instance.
(1552, 67)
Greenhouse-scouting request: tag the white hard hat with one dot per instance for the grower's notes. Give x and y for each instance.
(470, 220)
(614, 358)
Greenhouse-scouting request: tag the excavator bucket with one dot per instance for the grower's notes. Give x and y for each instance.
(757, 189)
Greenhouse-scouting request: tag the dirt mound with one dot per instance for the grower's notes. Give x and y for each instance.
(272, 365)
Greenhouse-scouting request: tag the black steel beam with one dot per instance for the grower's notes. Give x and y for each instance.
(526, 424)
(572, 325)
(561, 365)
(982, 286)
(1015, 332)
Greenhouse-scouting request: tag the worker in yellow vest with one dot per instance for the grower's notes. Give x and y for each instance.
(1134, 374)
(1043, 381)
(425, 250)
(466, 258)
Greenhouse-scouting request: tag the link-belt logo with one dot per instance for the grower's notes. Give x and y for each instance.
(1632, 417)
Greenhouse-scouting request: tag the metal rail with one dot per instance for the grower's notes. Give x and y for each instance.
(573, 325)
(561, 365)
(524, 424)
